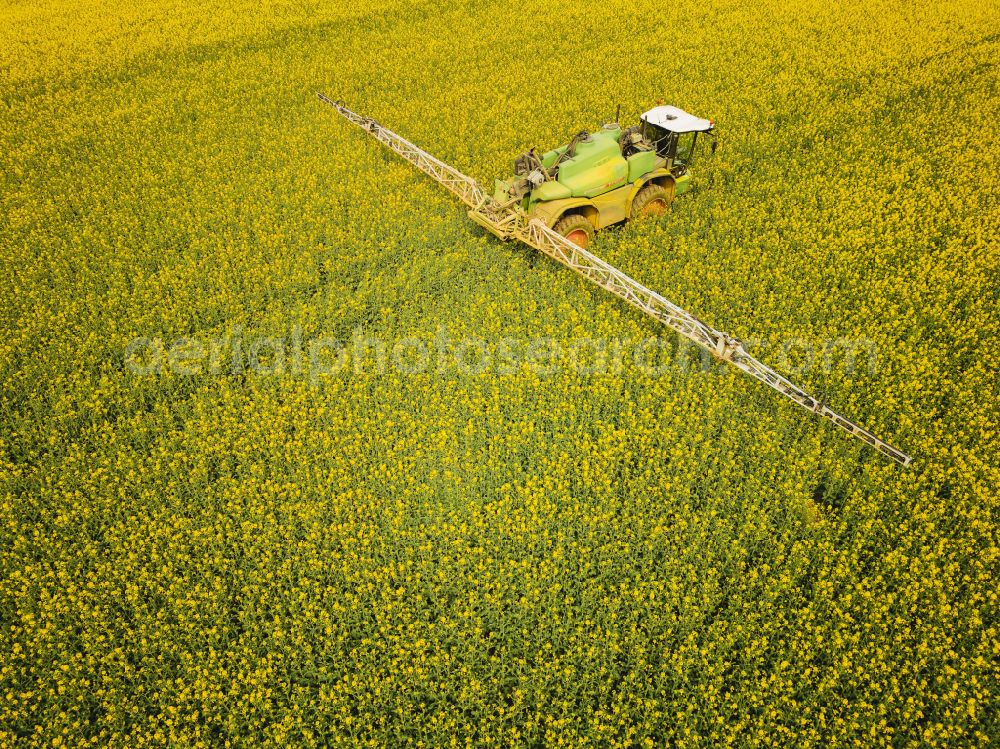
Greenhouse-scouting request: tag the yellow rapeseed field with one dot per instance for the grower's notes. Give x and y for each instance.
(238, 506)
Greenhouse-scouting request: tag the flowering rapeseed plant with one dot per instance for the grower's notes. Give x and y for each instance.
(508, 558)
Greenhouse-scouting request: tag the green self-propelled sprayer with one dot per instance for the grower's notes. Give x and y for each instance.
(602, 178)
(555, 202)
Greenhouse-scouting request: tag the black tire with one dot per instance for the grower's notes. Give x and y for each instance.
(576, 228)
(652, 200)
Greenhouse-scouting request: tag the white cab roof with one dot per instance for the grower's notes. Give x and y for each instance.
(676, 120)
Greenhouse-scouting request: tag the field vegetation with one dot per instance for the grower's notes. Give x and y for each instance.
(513, 556)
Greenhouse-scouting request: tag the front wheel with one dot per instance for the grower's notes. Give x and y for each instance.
(576, 228)
(652, 200)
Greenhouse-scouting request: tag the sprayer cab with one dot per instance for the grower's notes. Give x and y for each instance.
(674, 134)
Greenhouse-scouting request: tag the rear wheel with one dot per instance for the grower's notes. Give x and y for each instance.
(576, 228)
(652, 200)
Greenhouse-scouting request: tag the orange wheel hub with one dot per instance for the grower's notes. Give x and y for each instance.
(655, 208)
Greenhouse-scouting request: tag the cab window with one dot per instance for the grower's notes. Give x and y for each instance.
(685, 147)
